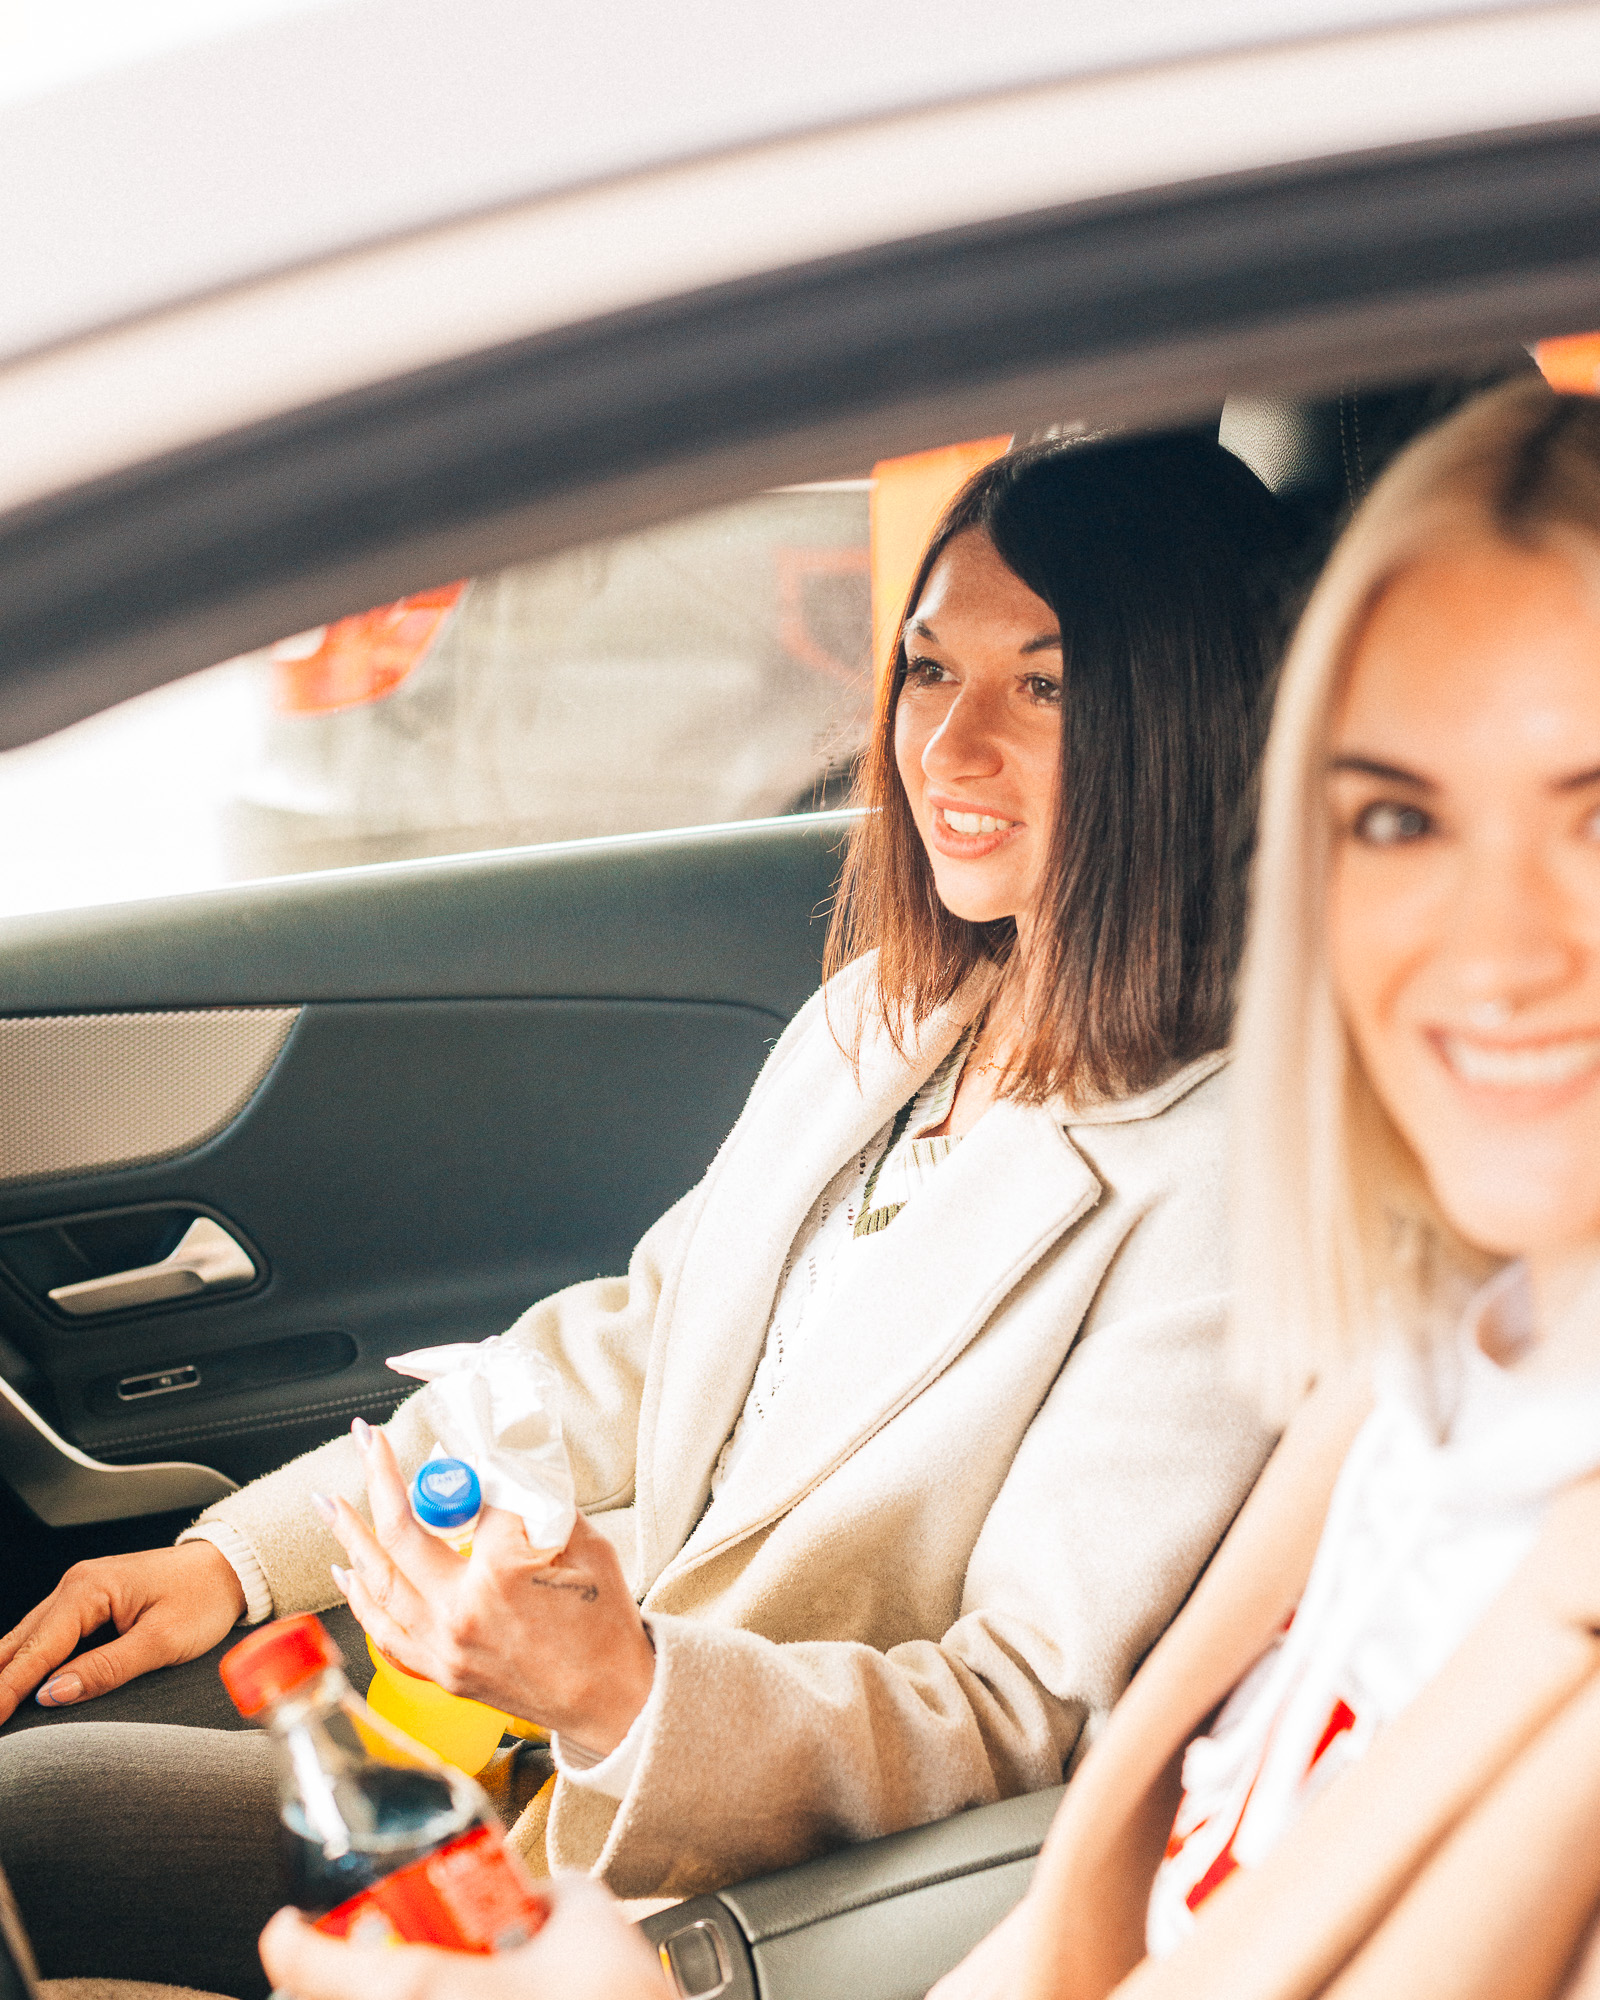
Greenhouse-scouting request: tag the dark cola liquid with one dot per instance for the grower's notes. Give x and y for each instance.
(399, 1816)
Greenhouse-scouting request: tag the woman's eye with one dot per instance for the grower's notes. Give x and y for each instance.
(924, 673)
(1044, 689)
(1386, 824)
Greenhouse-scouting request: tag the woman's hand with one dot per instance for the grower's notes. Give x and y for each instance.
(585, 1952)
(558, 1643)
(168, 1605)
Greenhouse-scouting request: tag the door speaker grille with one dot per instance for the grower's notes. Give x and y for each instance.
(89, 1093)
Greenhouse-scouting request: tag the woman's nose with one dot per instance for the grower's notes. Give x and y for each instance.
(1510, 941)
(966, 744)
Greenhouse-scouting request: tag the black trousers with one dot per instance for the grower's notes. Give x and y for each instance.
(140, 1846)
(142, 1851)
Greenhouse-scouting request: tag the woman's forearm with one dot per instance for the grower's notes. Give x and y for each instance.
(1088, 1897)
(1285, 1930)
(1502, 1907)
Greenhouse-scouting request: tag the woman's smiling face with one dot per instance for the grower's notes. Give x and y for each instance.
(977, 732)
(1464, 912)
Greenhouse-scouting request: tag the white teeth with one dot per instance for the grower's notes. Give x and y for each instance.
(976, 823)
(1531, 1068)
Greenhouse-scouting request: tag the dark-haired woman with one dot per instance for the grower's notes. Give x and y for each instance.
(908, 1430)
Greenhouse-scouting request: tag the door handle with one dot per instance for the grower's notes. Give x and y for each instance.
(207, 1259)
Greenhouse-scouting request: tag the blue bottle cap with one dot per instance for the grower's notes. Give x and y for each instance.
(446, 1493)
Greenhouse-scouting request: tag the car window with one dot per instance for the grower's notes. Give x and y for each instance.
(716, 668)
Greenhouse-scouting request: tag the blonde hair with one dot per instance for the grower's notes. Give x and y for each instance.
(1338, 1243)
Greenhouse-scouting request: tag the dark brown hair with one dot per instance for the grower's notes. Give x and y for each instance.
(1165, 561)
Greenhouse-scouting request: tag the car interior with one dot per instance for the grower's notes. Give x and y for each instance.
(279, 1131)
(258, 1138)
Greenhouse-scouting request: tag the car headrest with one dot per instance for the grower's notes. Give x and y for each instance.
(1326, 453)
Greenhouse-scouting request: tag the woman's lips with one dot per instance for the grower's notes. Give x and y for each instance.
(1530, 1076)
(969, 836)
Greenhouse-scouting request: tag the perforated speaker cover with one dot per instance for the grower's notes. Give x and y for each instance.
(88, 1093)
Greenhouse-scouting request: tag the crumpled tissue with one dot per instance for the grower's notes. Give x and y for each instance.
(493, 1404)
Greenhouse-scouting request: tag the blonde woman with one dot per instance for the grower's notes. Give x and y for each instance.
(1366, 1758)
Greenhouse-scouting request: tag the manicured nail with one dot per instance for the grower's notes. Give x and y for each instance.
(325, 1508)
(58, 1692)
(361, 1431)
(341, 1577)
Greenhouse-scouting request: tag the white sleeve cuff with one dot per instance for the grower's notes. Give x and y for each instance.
(612, 1774)
(242, 1560)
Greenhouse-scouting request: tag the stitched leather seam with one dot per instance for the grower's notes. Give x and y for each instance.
(377, 1398)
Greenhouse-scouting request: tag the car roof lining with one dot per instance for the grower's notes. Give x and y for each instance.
(1141, 312)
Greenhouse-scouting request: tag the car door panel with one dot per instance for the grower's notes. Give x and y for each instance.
(411, 1172)
(550, 1047)
(707, 913)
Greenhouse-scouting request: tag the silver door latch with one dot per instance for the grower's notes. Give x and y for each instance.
(206, 1260)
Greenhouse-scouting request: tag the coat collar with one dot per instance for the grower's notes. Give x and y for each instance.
(802, 1123)
(908, 1301)
(1152, 1102)
(907, 1305)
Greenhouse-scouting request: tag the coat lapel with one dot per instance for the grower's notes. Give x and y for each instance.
(798, 1131)
(908, 1301)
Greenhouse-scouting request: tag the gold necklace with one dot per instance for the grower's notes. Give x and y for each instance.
(990, 1063)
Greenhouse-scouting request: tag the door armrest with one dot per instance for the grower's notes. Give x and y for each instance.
(880, 1921)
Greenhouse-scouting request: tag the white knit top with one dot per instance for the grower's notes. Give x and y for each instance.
(866, 1194)
(1440, 1498)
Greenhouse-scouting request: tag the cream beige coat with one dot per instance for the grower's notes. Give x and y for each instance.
(981, 1493)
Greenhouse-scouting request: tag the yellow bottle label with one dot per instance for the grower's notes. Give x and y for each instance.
(461, 1732)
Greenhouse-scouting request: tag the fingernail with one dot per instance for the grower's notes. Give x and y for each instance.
(325, 1508)
(341, 1577)
(58, 1692)
(361, 1431)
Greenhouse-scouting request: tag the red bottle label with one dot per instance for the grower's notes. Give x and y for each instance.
(472, 1894)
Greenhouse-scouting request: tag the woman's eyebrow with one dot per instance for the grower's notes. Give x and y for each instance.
(1047, 642)
(1579, 781)
(1371, 767)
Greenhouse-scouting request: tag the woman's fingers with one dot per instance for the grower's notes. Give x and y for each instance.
(301, 1961)
(386, 1489)
(500, 1539)
(43, 1640)
(424, 1557)
(587, 1950)
(385, 1582)
(411, 1649)
(168, 1604)
(150, 1642)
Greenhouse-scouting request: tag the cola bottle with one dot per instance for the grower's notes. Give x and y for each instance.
(380, 1840)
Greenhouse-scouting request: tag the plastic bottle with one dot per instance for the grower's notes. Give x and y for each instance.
(379, 1840)
(446, 1501)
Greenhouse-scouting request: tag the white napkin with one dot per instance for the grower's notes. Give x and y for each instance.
(492, 1404)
